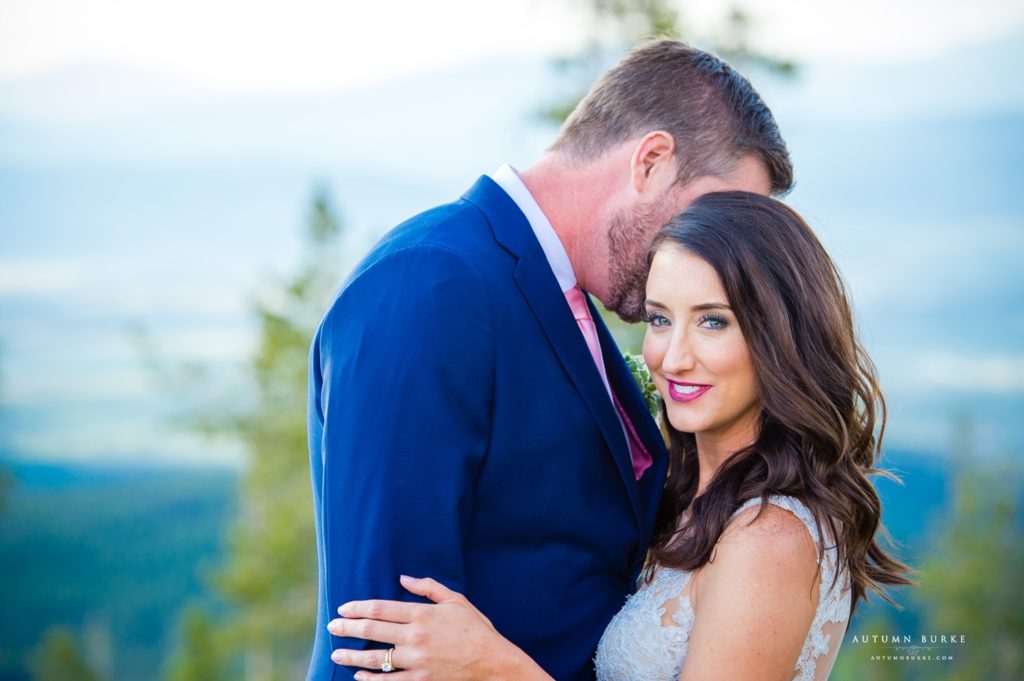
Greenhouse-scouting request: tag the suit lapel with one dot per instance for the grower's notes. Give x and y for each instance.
(632, 401)
(539, 287)
(626, 388)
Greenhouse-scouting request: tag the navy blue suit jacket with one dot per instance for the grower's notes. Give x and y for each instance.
(459, 429)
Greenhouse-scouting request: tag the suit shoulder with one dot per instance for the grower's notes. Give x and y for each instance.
(449, 247)
(458, 226)
(449, 240)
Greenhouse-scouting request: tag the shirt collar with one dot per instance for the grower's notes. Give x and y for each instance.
(508, 179)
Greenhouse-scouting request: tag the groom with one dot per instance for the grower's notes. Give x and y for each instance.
(470, 417)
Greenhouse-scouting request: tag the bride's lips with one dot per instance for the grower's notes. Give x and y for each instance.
(686, 392)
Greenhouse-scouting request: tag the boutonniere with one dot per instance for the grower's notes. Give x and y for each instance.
(643, 379)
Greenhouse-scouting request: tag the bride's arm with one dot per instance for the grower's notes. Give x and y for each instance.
(451, 640)
(754, 602)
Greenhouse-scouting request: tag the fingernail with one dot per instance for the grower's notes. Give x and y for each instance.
(336, 656)
(406, 579)
(341, 609)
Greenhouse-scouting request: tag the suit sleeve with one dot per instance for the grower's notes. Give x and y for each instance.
(407, 364)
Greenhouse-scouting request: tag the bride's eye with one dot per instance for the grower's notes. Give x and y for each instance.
(713, 321)
(656, 319)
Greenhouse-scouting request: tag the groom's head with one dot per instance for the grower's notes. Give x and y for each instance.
(671, 122)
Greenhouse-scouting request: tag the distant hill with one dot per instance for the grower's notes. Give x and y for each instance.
(124, 549)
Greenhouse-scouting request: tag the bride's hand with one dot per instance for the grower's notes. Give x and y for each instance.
(451, 640)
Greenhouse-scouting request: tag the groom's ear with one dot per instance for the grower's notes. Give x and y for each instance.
(653, 165)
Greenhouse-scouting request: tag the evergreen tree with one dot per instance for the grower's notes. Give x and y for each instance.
(970, 581)
(616, 25)
(201, 657)
(59, 658)
(268, 582)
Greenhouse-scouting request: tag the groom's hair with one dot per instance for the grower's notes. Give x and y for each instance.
(713, 113)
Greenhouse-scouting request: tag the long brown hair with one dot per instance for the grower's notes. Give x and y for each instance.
(823, 414)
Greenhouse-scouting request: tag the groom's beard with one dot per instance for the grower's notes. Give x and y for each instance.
(629, 238)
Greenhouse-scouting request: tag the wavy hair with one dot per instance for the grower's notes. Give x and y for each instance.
(823, 413)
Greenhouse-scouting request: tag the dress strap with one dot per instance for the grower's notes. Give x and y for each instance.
(791, 504)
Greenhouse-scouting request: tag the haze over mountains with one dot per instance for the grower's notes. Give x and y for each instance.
(128, 198)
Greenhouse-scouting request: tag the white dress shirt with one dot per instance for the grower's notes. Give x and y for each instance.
(508, 179)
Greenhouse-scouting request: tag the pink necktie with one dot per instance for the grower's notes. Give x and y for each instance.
(578, 304)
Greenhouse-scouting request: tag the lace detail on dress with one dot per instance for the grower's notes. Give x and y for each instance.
(637, 644)
(648, 638)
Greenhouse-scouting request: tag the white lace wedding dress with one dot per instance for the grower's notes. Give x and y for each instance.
(647, 639)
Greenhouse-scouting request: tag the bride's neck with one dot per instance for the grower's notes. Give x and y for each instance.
(715, 448)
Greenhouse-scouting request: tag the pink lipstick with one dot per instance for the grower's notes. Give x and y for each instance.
(686, 392)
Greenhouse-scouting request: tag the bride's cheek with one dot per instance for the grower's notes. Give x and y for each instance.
(652, 358)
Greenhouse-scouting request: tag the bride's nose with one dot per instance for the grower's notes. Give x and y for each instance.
(679, 357)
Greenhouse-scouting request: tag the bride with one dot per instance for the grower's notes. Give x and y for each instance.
(766, 536)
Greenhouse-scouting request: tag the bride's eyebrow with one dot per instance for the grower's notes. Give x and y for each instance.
(710, 306)
(654, 303)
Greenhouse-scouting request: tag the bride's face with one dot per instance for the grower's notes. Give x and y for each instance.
(696, 352)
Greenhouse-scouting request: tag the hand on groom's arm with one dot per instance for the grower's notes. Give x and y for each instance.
(449, 639)
(406, 358)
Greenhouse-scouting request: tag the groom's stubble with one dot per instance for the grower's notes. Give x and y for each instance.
(629, 235)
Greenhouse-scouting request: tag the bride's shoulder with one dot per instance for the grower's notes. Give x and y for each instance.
(761, 574)
(775, 534)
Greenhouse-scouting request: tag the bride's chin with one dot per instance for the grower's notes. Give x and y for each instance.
(683, 424)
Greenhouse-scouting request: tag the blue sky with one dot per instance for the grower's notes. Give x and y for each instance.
(133, 192)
